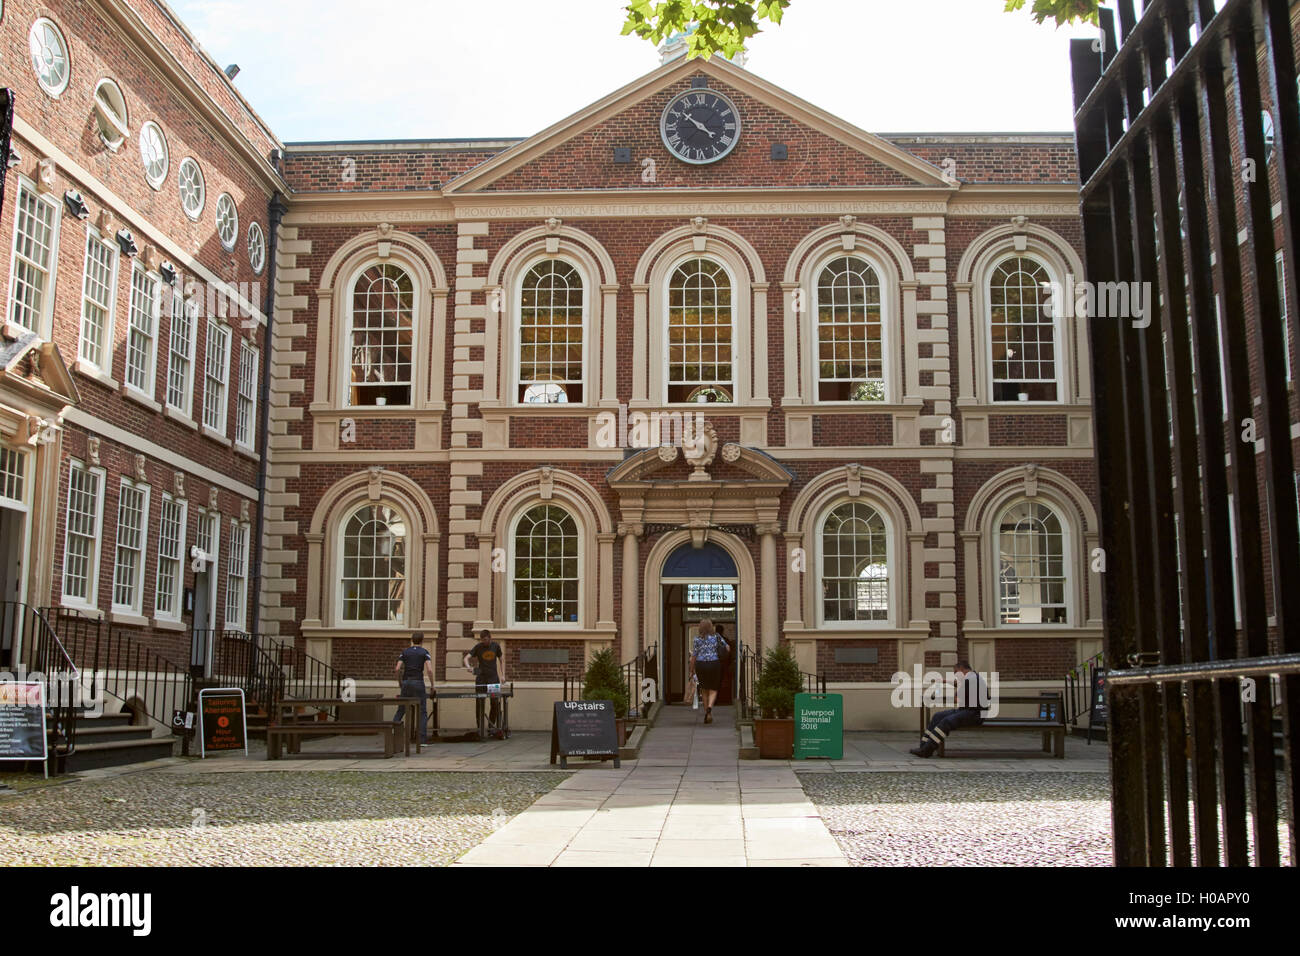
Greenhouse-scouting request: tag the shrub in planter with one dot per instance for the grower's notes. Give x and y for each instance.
(778, 682)
(604, 681)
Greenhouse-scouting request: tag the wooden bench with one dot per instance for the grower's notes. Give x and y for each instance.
(277, 735)
(1052, 727)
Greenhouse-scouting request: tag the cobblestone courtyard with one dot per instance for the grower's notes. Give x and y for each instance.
(258, 819)
(966, 819)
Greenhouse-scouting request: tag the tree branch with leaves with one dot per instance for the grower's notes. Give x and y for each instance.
(719, 26)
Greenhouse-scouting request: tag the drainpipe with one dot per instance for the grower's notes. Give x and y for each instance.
(6, 132)
(276, 209)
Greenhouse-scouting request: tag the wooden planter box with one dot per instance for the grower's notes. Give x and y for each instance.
(774, 737)
(620, 724)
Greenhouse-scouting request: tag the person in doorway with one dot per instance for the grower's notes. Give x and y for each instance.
(707, 651)
(488, 666)
(414, 667)
(972, 701)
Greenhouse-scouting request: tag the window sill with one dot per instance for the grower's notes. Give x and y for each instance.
(1034, 630)
(167, 624)
(217, 436)
(141, 399)
(180, 417)
(96, 374)
(87, 609)
(836, 633)
(129, 618)
(854, 408)
(1028, 408)
(366, 632)
(247, 452)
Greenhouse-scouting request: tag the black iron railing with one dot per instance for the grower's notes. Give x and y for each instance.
(748, 666)
(238, 660)
(1181, 175)
(36, 653)
(634, 672)
(306, 676)
(114, 661)
(813, 683)
(1078, 689)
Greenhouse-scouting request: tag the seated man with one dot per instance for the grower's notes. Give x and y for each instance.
(972, 701)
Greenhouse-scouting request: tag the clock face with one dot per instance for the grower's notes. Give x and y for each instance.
(700, 126)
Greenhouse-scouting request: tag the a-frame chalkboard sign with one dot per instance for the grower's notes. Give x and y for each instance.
(583, 728)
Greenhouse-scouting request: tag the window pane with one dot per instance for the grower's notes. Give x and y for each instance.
(855, 569)
(546, 566)
(1031, 551)
(383, 305)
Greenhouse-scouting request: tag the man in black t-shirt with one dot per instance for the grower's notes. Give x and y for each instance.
(488, 667)
(414, 666)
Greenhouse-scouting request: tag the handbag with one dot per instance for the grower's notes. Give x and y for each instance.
(693, 691)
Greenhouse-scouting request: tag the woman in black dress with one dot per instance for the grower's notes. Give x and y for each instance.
(707, 651)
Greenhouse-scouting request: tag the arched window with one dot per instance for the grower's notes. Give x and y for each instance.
(550, 334)
(383, 306)
(699, 333)
(546, 567)
(374, 566)
(1022, 333)
(850, 333)
(1033, 578)
(854, 564)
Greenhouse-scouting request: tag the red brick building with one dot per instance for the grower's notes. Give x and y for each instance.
(700, 349)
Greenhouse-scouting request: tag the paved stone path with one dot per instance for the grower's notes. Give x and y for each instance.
(689, 801)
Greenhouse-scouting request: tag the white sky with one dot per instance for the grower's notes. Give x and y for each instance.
(388, 69)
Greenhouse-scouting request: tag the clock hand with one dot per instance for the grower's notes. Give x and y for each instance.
(700, 125)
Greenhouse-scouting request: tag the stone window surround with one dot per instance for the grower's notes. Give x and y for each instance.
(650, 313)
(907, 612)
(980, 542)
(429, 324)
(596, 537)
(974, 272)
(898, 312)
(375, 485)
(600, 316)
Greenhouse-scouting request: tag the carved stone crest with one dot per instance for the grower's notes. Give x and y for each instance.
(92, 451)
(846, 222)
(178, 484)
(553, 224)
(1031, 481)
(731, 452)
(243, 510)
(547, 486)
(700, 449)
(853, 478)
(139, 468)
(374, 486)
(212, 499)
(667, 453)
(700, 224)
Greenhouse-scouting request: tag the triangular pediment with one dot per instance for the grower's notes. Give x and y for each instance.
(36, 368)
(577, 153)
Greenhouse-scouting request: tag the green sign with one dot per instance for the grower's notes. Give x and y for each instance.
(819, 726)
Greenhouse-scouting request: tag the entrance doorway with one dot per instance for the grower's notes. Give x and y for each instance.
(13, 528)
(697, 583)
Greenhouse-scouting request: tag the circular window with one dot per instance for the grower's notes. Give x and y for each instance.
(191, 185)
(111, 114)
(256, 247)
(227, 220)
(49, 56)
(153, 153)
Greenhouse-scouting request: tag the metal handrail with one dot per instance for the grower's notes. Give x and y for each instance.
(35, 648)
(1078, 689)
(117, 663)
(239, 661)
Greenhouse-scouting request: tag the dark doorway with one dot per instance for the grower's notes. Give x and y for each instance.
(685, 605)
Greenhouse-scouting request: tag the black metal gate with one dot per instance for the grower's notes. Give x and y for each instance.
(1188, 131)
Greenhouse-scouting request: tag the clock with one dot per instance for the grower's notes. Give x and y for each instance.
(700, 126)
